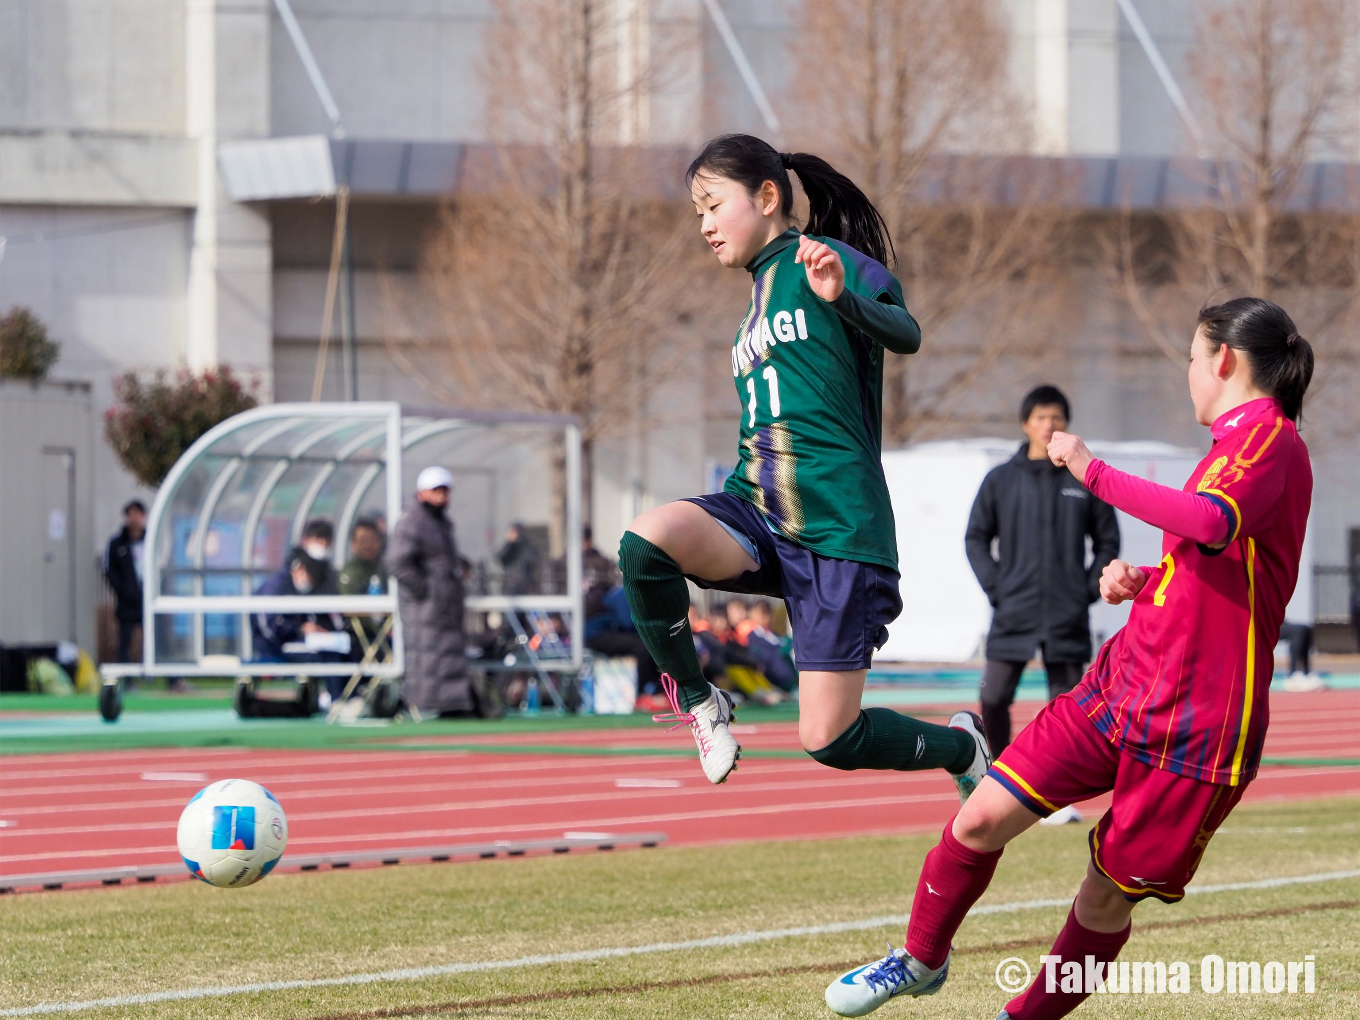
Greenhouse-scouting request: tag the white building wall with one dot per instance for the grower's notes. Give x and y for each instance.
(122, 240)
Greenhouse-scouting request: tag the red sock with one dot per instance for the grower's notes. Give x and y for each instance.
(952, 879)
(1074, 943)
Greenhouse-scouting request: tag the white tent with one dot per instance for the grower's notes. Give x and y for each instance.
(945, 615)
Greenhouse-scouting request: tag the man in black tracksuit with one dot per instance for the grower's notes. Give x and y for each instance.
(1042, 585)
(123, 571)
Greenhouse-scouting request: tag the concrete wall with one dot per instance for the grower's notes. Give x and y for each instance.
(120, 237)
(110, 283)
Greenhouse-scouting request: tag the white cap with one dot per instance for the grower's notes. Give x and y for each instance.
(434, 478)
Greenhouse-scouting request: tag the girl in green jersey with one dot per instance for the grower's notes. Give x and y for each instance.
(805, 516)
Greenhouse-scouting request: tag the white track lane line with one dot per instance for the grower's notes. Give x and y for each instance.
(448, 807)
(352, 782)
(611, 952)
(458, 807)
(607, 783)
(112, 763)
(593, 824)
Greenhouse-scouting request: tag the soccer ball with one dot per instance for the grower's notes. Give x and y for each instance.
(232, 833)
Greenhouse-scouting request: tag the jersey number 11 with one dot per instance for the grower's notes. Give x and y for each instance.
(771, 377)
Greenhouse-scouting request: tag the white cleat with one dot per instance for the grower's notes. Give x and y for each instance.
(862, 990)
(1063, 816)
(719, 751)
(1301, 683)
(967, 780)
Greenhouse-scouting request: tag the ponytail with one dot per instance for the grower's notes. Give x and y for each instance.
(836, 206)
(1281, 360)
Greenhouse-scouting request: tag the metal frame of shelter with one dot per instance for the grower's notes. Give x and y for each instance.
(368, 440)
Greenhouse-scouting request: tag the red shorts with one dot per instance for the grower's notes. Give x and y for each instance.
(1150, 841)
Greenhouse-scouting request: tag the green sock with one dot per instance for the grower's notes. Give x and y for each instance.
(659, 599)
(883, 739)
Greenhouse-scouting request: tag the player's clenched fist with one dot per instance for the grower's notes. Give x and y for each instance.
(1120, 582)
(1067, 449)
(825, 271)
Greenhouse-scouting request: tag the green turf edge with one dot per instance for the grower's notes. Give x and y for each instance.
(84, 944)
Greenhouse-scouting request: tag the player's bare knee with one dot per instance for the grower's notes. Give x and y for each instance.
(815, 735)
(977, 826)
(1102, 903)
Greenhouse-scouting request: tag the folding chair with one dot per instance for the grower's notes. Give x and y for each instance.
(377, 650)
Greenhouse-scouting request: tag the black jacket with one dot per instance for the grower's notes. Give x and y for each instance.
(121, 573)
(423, 556)
(1042, 587)
(271, 631)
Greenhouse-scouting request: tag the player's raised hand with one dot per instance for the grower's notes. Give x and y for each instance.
(1065, 448)
(1121, 581)
(825, 271)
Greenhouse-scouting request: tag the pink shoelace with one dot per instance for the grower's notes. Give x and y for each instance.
(679, 716)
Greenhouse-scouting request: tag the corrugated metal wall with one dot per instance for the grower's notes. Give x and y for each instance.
(47, 544)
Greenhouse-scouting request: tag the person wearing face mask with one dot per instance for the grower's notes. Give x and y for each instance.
(318, 542)
(300, 575)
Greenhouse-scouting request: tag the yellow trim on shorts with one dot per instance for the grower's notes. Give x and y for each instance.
(1131, 890)
(1023, 785)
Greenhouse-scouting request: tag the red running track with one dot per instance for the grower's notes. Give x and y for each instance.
(83, 811)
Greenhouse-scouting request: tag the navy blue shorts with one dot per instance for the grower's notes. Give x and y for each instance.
(839, 609)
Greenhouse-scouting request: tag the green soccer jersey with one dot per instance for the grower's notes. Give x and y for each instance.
(810, 382)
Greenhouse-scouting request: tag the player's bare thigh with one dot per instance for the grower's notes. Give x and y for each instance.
(828, 704)
(991, 818)
(698, 543)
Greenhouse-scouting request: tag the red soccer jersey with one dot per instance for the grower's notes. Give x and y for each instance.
(1183, 686)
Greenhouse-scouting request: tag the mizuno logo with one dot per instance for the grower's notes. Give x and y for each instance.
(1232, 423)
(1145, 881)
(930, 889)
(920, 746)
(676, 628)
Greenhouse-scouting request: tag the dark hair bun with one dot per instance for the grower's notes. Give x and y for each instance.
(1281, 360)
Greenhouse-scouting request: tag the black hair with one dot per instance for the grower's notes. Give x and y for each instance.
(134, 504)
(836, 206)
(587, 533)
(300, 558)
(1044, 395)
(319, 528)
(1281, 361)
(365, 522)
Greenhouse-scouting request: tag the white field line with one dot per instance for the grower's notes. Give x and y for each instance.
(610, 952)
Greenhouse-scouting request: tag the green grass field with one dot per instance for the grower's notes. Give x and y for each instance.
(82, 945)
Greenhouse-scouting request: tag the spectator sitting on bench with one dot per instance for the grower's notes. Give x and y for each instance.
(768, 648)
(365, 573)
(744, 673)
(270, 632)
(609, 626)
(318, 542)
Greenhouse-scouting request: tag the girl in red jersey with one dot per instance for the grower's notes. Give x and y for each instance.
(1172, 715)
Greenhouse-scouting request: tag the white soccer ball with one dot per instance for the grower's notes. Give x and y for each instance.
(232, 833)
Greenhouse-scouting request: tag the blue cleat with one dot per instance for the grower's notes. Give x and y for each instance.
(862, 990)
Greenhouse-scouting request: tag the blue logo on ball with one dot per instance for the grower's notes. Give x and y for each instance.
(233, 828)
